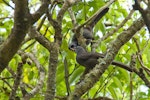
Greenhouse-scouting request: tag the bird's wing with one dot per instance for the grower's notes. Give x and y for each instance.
(84, 56)
(97, 55)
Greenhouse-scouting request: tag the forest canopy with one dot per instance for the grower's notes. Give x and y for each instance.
(74, 49)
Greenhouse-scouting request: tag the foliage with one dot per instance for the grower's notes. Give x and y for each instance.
(116, 83)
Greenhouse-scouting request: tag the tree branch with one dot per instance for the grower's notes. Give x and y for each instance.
(40, 38)
(51, 81)
(41, 75)
(90, 20)
(115, 30)
(16, 82)
(57, 24)
(141, 74)
(43, 9)
(67, 76)
(13, 42)
(145, 13)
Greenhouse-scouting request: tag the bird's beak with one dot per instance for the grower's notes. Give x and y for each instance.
(72, 49)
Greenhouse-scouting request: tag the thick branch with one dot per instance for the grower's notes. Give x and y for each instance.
(51, 81)
(13, 42)
(43, 8)
(22, 23)
(40, 38)
(66, 5)
(64, 8)
(145, 13)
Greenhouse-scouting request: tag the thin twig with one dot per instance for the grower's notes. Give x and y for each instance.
(115, 30)
(66, 77)
(16, 82)
(101, 9)
(8, 4)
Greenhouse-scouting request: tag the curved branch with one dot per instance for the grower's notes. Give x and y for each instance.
(43, 9)
(41, 75)
(141, 74)
(40, 38)
(66, 5)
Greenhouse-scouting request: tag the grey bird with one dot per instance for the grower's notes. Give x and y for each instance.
(90, 59)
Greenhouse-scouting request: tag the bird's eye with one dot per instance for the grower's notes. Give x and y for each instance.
(72, 46)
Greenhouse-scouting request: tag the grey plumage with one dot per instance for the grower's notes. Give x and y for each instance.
(90, 59)
(87, 59)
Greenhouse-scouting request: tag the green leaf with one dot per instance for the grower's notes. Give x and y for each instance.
(117, 82)
(113, 93)
(76, 74)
